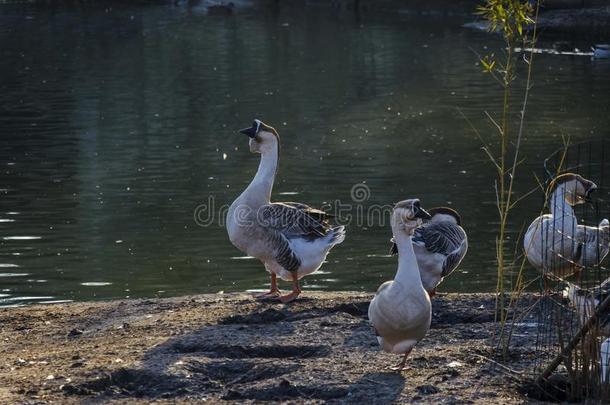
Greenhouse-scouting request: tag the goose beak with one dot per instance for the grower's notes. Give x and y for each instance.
(419, 212)
(253, 130)
(422, 213)
(591, 189)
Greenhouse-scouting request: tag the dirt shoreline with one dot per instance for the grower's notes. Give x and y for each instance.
(229, 347)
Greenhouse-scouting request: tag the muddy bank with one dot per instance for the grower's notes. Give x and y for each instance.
(231, 348)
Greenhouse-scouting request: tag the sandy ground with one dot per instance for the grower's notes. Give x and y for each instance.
(229, 347)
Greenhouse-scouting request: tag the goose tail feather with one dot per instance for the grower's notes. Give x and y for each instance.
(336, 235)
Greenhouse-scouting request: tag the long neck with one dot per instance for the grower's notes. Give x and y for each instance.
(259, 189)
(408, 270)
(559, 205)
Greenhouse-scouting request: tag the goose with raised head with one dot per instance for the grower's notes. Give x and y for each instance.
(290, 239)
(401, 311)
(551, 241)
(440, 244)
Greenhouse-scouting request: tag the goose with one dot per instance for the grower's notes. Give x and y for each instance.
(290, 239)
(440, 244)
(585, 302)
(401, 311)
(550, 242)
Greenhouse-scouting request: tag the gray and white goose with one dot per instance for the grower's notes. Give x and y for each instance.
(440, 244)
(555, 243)
(401, 311)
(291, 239)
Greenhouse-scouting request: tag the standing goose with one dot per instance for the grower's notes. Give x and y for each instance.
(400, 311)
(551, 241)
(440, 244)
(291, 239)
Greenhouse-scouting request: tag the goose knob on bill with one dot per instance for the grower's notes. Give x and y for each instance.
(555, 243)
(401, 312)
(440, 244)
(290, 239)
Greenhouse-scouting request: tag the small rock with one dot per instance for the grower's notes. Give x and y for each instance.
(284, 383)
(76, 364)
(75, 332)
(427, 389)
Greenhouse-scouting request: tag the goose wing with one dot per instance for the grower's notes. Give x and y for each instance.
(593, 243)
(320, 215)
(294, 220)
(445, 238)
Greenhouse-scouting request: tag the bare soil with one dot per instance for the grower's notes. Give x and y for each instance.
(229, 347)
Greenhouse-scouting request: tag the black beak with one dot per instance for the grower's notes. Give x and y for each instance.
(590, 190)
(420, 212)
(253, 130)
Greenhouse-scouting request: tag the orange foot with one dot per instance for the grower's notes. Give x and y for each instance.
(289, 297)
(273, 294)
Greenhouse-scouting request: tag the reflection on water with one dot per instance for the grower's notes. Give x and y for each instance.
(116, 124)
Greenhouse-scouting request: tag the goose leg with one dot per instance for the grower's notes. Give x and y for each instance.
(401, 365)
(296, 290)
(273, 291)
(432, 293)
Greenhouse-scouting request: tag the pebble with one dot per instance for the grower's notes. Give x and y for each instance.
(75, 332)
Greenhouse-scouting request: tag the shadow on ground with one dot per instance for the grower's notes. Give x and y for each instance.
(312, 349)
(268, 353)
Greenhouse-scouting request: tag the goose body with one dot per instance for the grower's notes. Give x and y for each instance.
(401, 311)
(551, 242)
(439, 244)
(290, 239)
(585, 302)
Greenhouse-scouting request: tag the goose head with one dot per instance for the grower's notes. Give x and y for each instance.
(576, 188)
(263, 138)
(445, 214)
(408, 215)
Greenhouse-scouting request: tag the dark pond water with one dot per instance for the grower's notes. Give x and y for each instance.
(115, 125)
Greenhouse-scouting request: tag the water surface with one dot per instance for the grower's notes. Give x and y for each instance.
(116, 124)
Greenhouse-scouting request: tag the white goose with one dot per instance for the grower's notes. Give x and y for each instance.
(440, 244)
(291, 239)
(585, 302)
(551, 242)
(400, 311)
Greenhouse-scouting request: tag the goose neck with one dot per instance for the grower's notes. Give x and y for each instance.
(559, 204)
(259, 190)
(408, 271)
